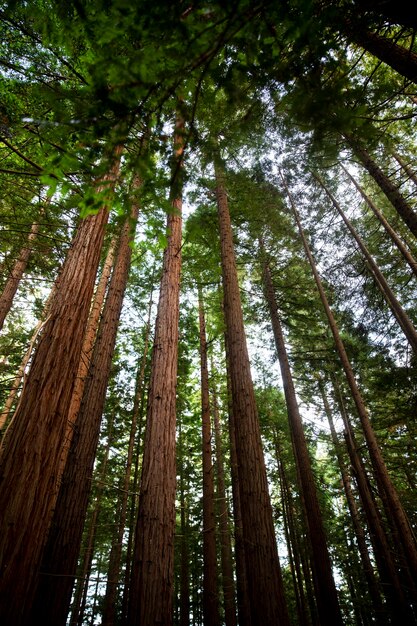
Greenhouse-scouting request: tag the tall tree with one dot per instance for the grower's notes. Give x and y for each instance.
(32, 447)
(265, 586)
(152, 588)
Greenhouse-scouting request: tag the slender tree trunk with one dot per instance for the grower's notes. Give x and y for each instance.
(210, 590)
(396, 308)
(391, 232)
(225, 539)
(59, 562)
(386, 185)
(325, 589)
(137, 416)
(292, 543)
(32, 448)
(266, 595)
(384, 557)
(184, 603)
(385, 485)
(80, 596)
(109, 611)
(412, 175)
(368, 569)
(152, 586)
(16, 273)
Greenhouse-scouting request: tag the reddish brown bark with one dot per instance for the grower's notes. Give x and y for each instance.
(32, 449)
(60, 556)
(325, 589)
(152, 585)
(210, 590)
(266, 595)
(16, 273)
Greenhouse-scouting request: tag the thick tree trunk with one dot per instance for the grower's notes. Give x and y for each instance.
(152, 586)
(32, 448)
(60, 556)
(325, 589)
(391, 232)
(381, 473)
(16, 273)
(401, 59)
(395, 306)
(225, 538)
(266, 595)
(210, 590)
(386, 185)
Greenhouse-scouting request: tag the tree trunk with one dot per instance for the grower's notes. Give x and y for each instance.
(391, 232)
(401, 59)
(372, 582)
(399, 203)
(210, 590)
(184, 603)
(32, 448)
(396, 308)
(12, 283)
(60, 556)
(412, 175)
(266, 595)
(152, 587)
(325, 589)
(381, 473)
(225, 539)
(80, 595)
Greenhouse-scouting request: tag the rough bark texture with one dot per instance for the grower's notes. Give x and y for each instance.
(386, 185)
(12, 283)
(152, 585)
(210, 590)
(266, 595)
(325, 589)
(32, 447)
(396, 308)
(60, 556)
(382, 477)
(391, 232)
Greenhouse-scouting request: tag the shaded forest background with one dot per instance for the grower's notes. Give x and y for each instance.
(208, 382)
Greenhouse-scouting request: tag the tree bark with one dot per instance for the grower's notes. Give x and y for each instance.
(32, 448)
(152, 587)
(325, 589)
(266, 595)
(59, 564)
(210, 590)
(16, 273)
(412, 175)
